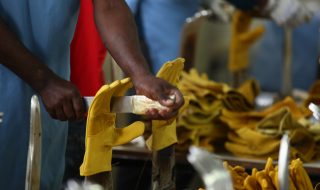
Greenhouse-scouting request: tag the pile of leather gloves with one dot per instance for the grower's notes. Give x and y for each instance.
(257, 134)
(199, 123)
(267, 179)
(220, 118)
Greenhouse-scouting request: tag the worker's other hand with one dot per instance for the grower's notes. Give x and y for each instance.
(62, 99)
(161, 91)
(288, 13)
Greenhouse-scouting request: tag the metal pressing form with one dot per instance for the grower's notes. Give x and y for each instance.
(283, 162)
(34, 152)
(287, 65)
(211, 169)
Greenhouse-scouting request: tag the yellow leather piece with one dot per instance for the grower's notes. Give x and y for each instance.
(200, 85)
(236, 120)
(258, 144)
(269, 166)
(204, 135)
(101, 134)
(197, 80)
(250, 90)
(278, 122)
(171, 71)
(235, 101)
(288, 102)
(164, 132)
(264, 180)
(313, 94)
(242, 39)
(267, 179)
(250, 183)
(299, 140)
(238, 175)
(299, 175)
(274, 178)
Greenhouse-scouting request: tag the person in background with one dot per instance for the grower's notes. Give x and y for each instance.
(267, 55)
(160, 24)
(87, 53)
(35, 59)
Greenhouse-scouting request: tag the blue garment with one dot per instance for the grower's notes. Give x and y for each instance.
(267, 56)
(46, 28)
(161, 23)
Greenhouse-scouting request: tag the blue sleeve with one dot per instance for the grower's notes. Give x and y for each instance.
(244, 4)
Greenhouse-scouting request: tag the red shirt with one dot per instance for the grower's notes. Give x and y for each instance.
(87, 53)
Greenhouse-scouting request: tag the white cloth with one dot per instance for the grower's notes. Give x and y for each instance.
(290, 13)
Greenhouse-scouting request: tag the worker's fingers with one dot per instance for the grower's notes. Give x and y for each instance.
(68, 110)
(79, 107)
(165, 114)
(60, 115)
(173, 98)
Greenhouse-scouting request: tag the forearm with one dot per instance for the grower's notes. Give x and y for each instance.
(19, 60)
(118, 31)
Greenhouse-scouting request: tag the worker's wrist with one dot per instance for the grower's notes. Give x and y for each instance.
(140, 76)
(41, 79)
(140, 72)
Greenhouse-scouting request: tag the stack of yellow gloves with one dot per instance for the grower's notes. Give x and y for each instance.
(236, 120)
(199, 123)
(101, 133)
(267, 179)
(195, 124)
(265, 133)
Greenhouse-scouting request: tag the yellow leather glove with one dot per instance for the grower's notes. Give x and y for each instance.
(241, 40)
(236, 120)
(101, 134)
(164, 132)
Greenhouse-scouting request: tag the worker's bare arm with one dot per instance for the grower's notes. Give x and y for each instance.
(61, 99)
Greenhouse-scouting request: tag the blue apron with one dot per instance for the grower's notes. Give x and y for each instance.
(161, 26)
(46, 28)
(267, 56)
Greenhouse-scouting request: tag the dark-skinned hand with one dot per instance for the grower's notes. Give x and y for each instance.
(161, 91)
(62, 100)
